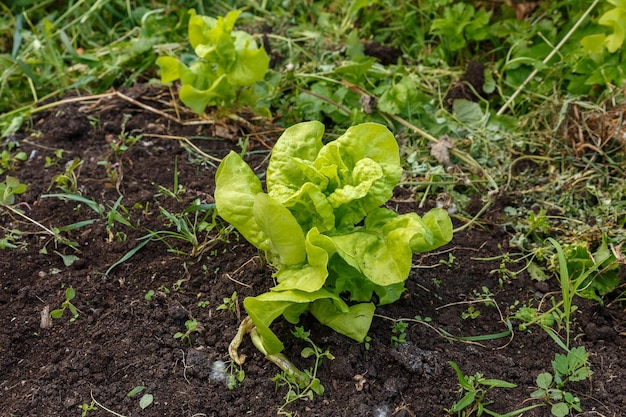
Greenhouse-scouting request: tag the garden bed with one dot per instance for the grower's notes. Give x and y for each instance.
(123, 334)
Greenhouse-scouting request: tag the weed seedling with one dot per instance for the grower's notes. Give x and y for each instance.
(67, 181)
(194, 226)
(9, 189)
(474, 389)
(53, 161)
(229, 372)
(8, 160)
(192, 326)
(231, 305)
(86, 408)
(236, 375)
(470, 313)
(296, 388)
(124, 140)
(177, 188)
(569, 367)
(399, 332)
(70, 294)
(116, 213)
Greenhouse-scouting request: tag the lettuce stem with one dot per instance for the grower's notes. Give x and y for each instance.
(247, 327)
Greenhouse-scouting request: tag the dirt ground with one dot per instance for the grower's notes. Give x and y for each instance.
(121, 340)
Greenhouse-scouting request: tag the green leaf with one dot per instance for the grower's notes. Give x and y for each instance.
(135, 391)
(382, 249)
(354, 323)
(438, 223)
(396, 98)
(594, 43)
(559, 410)
(467, 111)
(68, 260)
(145, 401)
(307, 352)
(544, 380)
(171, 68)
(312, 275)
(285, 239)
(291, 164)
(497, 383)
(265, 308)
(317, 387)
(615, 19)
(236, 187)
(340, 161)
(251, 63)
(463, 382)
(57, 314)
(466, 401)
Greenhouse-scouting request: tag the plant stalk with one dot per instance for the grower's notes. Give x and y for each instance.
(247, 327)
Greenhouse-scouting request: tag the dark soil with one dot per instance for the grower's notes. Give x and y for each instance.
(121, 340)
(469, 86)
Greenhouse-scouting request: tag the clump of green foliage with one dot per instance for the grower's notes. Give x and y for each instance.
(322, 227)
(475, 389)
(228, 63)
(570, 367)
(9, 189)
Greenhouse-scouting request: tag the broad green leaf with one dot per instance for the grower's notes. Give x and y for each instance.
(544, 380)
(145, 401)
(311, 208)
(312, 275)
(382, 249)
(364, 174)
(285, 239)
(594, 43)
(439, 226)
(251, 62)
(171, 68)
(616, 19)
(467, 111)
(355, 323)
(57, 314)
(559, 410)
(208, 30)
(197, 100)
(297, 145)
(396, 98)
(236, 187)
(265, 308)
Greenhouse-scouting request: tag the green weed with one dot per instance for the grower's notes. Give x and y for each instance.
(474, 401)
(566, 368)
(296, 389)
(70, 294)
(399, 333)
(196, 225)
(67, 181)
(231, 305)
(191, 326)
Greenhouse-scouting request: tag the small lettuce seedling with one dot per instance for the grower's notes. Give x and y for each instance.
(321, 226)
(228, 62)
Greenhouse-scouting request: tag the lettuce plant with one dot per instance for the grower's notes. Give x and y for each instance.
(336, 252)
(228, 63)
